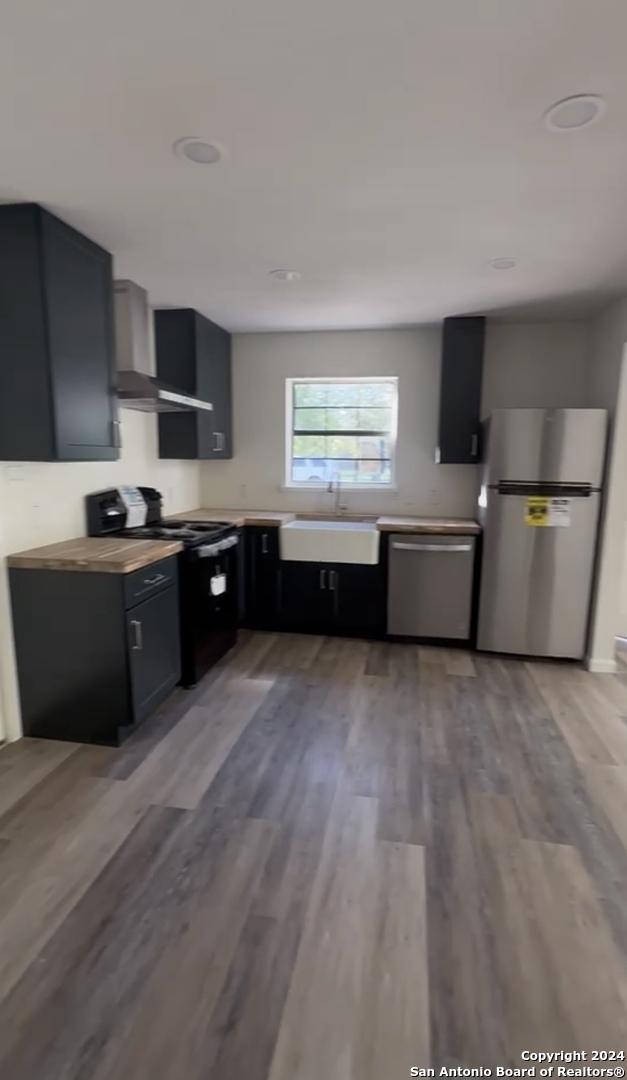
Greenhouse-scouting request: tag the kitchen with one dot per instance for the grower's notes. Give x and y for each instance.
(312, 524)
(267, 573)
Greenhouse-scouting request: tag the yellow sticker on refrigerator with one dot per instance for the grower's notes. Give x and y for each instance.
(543, 512)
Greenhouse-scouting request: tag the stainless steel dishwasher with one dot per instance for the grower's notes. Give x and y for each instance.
(430, 585)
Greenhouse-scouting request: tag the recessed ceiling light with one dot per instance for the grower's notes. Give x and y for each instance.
(197, 150)
(504, 263)
(574, 112)
(285, 275)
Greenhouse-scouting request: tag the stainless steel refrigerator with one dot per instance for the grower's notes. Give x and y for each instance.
(539, 506)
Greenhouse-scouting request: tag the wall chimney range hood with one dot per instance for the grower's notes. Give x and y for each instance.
(148, 394)
(137, 385)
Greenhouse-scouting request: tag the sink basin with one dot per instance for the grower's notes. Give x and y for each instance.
(330, 541)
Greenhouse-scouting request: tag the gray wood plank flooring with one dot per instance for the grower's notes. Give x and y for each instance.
(331, 859)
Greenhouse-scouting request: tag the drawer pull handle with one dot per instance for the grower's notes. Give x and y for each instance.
(138, 642)
(323, 575)
(433, 547)
(154, 580)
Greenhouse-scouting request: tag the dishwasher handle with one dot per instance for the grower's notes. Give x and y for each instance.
(454, 548)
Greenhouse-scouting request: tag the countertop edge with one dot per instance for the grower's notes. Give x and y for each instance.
(383, 522)
(28, 560)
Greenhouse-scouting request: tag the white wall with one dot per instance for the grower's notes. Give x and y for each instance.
(608, 390)
(262, 362)
(44, 503)
(535, 364)
(525, 364)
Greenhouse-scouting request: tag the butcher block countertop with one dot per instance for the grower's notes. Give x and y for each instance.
(428, 525)
(237, 517)
(96, 555)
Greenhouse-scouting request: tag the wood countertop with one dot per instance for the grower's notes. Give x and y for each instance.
(427, 525)
(96, 555)
(237, 517)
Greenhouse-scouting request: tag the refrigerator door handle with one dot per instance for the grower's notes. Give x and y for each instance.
(550, 489)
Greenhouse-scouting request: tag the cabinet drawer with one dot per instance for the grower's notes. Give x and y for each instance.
(149, 580)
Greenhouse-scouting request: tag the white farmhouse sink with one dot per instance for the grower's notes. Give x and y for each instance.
(330, 541)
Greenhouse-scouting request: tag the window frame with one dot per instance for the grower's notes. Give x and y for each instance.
(316, 485)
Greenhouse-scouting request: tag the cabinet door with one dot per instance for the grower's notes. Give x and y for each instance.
(358, 600)
(175, 351)
(460, 391)
(213, 350)
(154, 650)
(79, 302)
(262, 576)
(224, 409)
(306, 599)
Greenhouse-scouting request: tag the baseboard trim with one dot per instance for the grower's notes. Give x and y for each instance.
(600, 666)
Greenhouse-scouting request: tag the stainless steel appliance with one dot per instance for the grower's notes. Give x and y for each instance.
(138, 386)
(430, 586)
(208, 569)
(539, 506)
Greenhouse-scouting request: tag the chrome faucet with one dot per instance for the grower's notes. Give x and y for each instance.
(335, 485)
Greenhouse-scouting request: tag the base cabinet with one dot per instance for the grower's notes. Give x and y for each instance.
(96, 652)
(332, 598)
(261, 573)
(305, 597)
(153, 650)
(359, 600)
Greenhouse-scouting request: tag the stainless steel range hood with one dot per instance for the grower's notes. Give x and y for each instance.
(148, 394)
(137, 384)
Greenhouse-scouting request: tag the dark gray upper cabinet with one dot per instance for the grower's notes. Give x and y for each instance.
(460, 390)
(57, 393)
(194, 356)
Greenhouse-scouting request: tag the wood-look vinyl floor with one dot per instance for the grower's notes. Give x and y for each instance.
(331, 859)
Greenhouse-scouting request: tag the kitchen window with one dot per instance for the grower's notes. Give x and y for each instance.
(341, 429)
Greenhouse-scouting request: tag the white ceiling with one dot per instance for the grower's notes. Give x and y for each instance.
(388, 149)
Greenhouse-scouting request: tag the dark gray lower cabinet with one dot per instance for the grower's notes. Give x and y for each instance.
(96, 653)
(153, 650)
(305, 601)
(262, 560)
(332, 598)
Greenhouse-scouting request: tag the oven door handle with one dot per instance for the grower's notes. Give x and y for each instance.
(209, 551)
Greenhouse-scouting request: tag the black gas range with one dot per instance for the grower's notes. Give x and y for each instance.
(208, 569)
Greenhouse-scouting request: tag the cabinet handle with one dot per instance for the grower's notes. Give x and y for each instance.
(332, 575)
(264, 544)
(222, 440)
(216, 442)
(323, 575)
(446, 548)
(138, 642)
(154, 580)
(474, 445)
